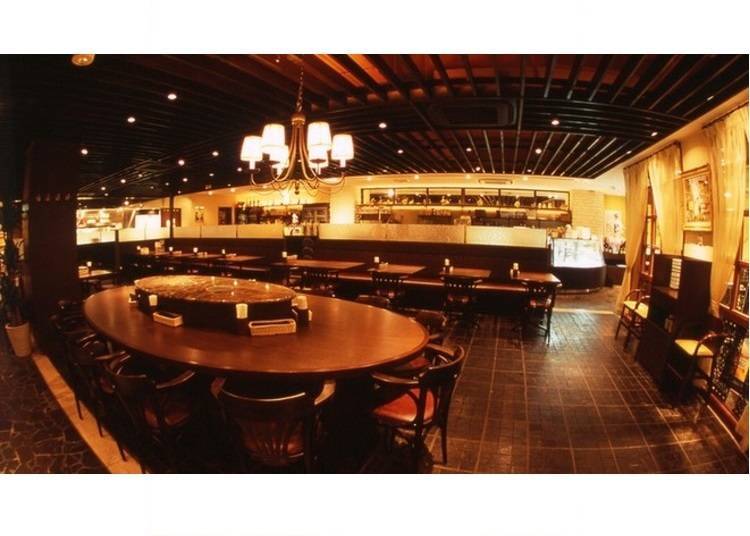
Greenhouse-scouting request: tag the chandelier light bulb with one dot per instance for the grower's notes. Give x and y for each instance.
(317, 154)
(252, 150)
(342, 148)
(274, 137)
(318, 135)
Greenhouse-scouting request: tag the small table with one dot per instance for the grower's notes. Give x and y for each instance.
(538, 277)
(237, 259)
(474, 273)
(320, 264)
(398, 269)
(95, 274)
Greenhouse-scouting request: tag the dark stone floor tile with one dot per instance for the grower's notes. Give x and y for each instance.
(635, 460)
(625, 435)
(598, 461)
(670, 458)
(658, 433)
(542, 460)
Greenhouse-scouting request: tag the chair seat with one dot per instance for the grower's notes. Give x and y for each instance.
(176, 413)
(688, 347)
(417, 364)
(403, 410)
(295, 445)
(639, 309)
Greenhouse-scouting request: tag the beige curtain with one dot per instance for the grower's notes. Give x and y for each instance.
(728, 153)
(663, 170)
(636, 199)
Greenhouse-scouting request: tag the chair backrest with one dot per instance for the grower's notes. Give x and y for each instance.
(440, 379)
(541, 292)
(384, 282)
(319, 278)
(137, 392)
(457, 286)
(268, 427)
(434, 321)
(376, 301)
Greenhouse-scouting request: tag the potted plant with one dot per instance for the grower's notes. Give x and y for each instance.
(12, 303)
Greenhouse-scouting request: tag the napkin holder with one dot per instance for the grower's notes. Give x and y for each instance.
(279, 326)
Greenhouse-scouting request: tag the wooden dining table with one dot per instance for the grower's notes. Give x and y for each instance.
(237, 259)
(96, 273)
(398, 269)
(538, 277)
(343, 339)
(474, 273)
(321, 264)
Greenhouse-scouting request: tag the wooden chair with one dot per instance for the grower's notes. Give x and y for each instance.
(459, 298)
(389, 286)
(436, 324)
(633, 314)
(275, 430)
(412, 406)
(319, 281)
(684, 364)
(539, 305)
(375, 301)
(159, 409)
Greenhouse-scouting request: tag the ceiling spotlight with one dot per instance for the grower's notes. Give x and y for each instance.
(126, 202)
(84, 151)
(528, 170)
(710, 97)
(166, 184)
(555, 122)
(180, 162)
(131, 119)
(140, 175)
(82, 60)
(210, 174)
(179, 191)
(654, 133)
(172, 96)
(106, 194)
(382, 124)
(215, 153)
(104, 188)
(239, 169)
(629, 152)
(184, 179)
(477, 168)
(122, 181)
(400, 151)
(151, 187)
(468, 149)
(538, 150)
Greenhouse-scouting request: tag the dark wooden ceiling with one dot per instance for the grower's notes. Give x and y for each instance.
(445, 112)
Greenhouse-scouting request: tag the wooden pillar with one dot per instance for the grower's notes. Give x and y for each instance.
(49, 230)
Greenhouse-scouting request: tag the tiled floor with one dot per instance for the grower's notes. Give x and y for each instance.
(35, 435)
(576, 405)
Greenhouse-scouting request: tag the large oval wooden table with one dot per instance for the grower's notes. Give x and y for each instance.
(344, 339)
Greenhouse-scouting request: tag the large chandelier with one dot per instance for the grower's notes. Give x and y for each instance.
(298, 163)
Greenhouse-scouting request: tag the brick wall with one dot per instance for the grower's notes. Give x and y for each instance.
(588, 210)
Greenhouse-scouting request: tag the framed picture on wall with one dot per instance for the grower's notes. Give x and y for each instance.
(696, 188)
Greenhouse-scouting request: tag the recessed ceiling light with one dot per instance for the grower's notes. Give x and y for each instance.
(382, 124)
(166, 184)
(140, 175)
(400, 151)
(180, 162)
(654, 133)
(126, 202)
(104, 188)
(629, 152)
(122, 181)
(239, 169)
(468, 149)
(229, 184)
(710, 97)
(555, 122)
(528, 170)
(179, 191)
(210, 174)
(82, 60)
(478, 168)
(184, 179)
(131, 119)
(385, 171)
(538, 150)
(172, 96)
(84, 151)
(151, 187)
(106, 194)
(215, 153)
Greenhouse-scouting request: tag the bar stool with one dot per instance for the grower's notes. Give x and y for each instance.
(633, 314)
(684, 363)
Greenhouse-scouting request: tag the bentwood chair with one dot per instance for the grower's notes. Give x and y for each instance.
(436, 324)
(274, 429)
(159, 405)
(376, 301)
(319, 281)
(389, 286)
(459, 298)
(410, 407)
(693, 359)
(633, 315)
(539, 305)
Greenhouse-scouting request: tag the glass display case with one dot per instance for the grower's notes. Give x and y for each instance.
(576, 253)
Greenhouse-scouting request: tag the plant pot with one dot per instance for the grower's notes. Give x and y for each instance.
(20, 339)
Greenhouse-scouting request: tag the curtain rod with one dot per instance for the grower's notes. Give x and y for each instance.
(724, 115)
(652, 154)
